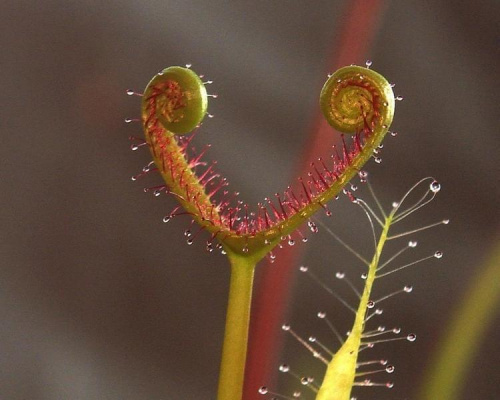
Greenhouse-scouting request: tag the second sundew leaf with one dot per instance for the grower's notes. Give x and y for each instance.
(341, 371)
(355, 100)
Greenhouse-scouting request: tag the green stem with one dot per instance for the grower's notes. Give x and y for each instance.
(465, 334)
(234, 350)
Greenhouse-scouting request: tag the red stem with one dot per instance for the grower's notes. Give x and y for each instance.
(271, 298)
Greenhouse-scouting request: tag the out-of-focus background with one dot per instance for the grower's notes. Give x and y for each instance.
(101, 300)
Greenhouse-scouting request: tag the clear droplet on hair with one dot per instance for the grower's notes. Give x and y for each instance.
(364, 275)
(284, 368)
(312, 227)
(411, 337)
(370, 304)
(297, 394)
(389, 369)
(438, 254)
(389, 385)
(446, 221)
(379, 311)
(291, 242)
(398, 98)
(396, 330)
(285, 327)
(408, 289)
(167, 218)
(187, 233)
(312, 339)
(303, 268)
(134, 147)
(189, 241)
(435, 186)
(394, 134)
(412, 243)
(263, 390)
(321, 314)
(340, 275)
(130, 92)
(368, 63)
(378, 160)
(395, 204)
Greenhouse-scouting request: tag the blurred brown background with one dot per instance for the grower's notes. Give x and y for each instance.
(100, 300)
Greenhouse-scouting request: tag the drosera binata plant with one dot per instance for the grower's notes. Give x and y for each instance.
(355, 100)
(344, 369)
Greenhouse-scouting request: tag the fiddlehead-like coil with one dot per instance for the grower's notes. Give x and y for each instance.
(355, 97)
(181, 99)
(175, 102)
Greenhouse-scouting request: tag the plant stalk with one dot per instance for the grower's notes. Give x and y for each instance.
(234, 350)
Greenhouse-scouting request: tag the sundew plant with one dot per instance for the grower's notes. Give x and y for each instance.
(356, 101)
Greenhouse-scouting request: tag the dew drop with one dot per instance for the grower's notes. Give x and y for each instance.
(130, 92)
(381, 328)
(245, 249)
(189, 65)
(363, 174)
(272, 256)
(383, 362)
(187, 233)
(297, 394)
(157, 192)
(446, 221)
(378, 160)
(321, 314)
(304, 380)
(389, 369)
(340, 275)
(412, 243)
(284, 368)
(291, 242)
(392, 85)
(408, 289)
(354, 188)
(285, 327)
(394, 134)
(399, 98)
(263, 390)
(395, 204)
(189, 241)
(167, 218)
(312, 227)
(303, 268)
(134, 147)
(438, 254)
(379, 311)
(396, 330)
(364, 276)
(133, 178)
(370, 304)
(368, 63)
(385, 103)
(411, 337)
(304, 240)
(389, 385)
(435, 186)
(312, 339)
(128, 120)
